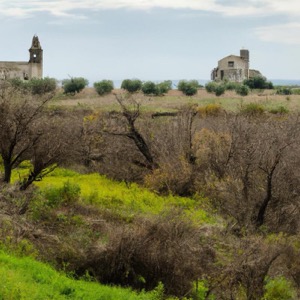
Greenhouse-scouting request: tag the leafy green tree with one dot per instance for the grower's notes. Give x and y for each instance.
(182, 85)
(74, 85)
(150, 88)
(269, 85)
(164, 86)
(189, 88)
(131, 85)
(258, 82)
(104, 87)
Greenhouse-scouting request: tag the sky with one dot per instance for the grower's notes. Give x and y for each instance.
(154, 39)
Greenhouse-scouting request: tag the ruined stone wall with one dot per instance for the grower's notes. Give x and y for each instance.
(12, 69)
(21, 70)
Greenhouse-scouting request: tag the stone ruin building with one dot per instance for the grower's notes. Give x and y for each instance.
(234, 68)
(25, 70)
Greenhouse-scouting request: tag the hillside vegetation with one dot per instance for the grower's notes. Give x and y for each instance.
(169, 197)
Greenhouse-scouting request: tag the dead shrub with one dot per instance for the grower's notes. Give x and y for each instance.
(210, 110)
(244, 264)
(165, 249)
(171, 177)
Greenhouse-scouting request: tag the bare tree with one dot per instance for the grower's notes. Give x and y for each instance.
(20, 111)
(244, 265)
(251, 173)
(126, 127)
(57, 144)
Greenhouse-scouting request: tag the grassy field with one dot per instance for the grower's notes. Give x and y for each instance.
(26, 279)
(230, 101)
(125, 200)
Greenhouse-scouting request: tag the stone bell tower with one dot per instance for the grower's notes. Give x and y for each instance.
(36, 59)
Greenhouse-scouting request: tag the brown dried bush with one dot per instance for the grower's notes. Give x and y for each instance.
(165, 249)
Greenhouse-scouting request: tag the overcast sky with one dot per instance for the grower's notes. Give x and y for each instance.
(152, 39)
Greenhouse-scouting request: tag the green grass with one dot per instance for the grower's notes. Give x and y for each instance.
(127, 200)
(24, 278)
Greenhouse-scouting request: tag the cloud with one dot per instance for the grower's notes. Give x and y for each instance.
(283, 33)
(69, 8)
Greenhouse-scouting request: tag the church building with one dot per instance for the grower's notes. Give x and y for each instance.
(25, 70)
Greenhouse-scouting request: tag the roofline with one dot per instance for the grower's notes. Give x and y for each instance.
(14, 62)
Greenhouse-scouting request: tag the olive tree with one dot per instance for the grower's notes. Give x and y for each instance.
(104, 87)
(189, 88)
(74, 85)
(132, 85)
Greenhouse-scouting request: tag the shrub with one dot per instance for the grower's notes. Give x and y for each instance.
(284, 91)
(279, 110)
(37, 86)
(131, 85)
(150, 88)
(232, 86)
(253, 109)
(74, 85)
(269, 85)
(210, 110)
(296, 91)
(279, 288)
(211, 87)
(242, 90)
(42, 85)
(171, 178)
(104, 87)
(189, 88)
(19, 84)
(220, 90)
(149, 252)
(258, 82)
(68, 193)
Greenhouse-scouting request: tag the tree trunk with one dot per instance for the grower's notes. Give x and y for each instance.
(262, 210)
(142, 146)
(26, 183)
(7, 171)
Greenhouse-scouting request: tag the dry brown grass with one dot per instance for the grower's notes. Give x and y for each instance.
(175, 99)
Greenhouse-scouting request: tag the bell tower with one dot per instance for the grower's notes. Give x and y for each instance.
(36, 58)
